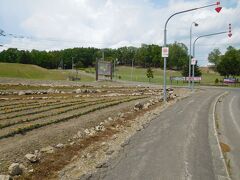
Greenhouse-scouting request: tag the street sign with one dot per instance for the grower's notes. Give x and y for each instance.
(194, 61)
(165, 51)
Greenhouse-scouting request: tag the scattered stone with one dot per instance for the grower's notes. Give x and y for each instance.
(146, 106)
(77, 91)
(72, 143)
(138, 106)
(31, 157)
(87, 131)
(29, 92)
(48, 150)
(79, 134)
(21, 93)
(15, 169)
(31, 171)
(60, 145)
(92, 132)
(50, 91)
(102, 165)
(110, 119)
(5, 177)
(100, 128)
(75, 137)
(140, 128)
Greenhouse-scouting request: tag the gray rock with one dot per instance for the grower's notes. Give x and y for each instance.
(77, 91)
(59, 145)
(138, 105)
(15, 169)
(20, 93)
(31, 157)
(110, 119)
(86, 131)
(5, 177)
(100, 128)
(146, 106)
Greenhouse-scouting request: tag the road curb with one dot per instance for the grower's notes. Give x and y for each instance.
(224, 165)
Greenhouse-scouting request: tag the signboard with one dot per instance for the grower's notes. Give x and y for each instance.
(195, 78)
(229, 80)
(177, 78)
(193, 62)
(104, 68)
(165, 51)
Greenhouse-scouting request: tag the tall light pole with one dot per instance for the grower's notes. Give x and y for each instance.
(207, 35)
(218, 9)
(132, 71)
(190, 54)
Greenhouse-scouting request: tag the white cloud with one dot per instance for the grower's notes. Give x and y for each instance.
(114, 23)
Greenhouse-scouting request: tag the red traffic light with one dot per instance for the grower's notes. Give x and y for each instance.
(218, 9)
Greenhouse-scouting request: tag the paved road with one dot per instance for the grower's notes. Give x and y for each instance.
(174, 146)
(228, 111)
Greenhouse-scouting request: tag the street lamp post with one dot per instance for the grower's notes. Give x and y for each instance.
(218, 9)
(194, 44)
(132, 71)
(190, 54)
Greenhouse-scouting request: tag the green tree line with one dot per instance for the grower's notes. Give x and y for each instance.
(144, 56)
(227, 64)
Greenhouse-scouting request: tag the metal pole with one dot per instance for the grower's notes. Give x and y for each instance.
(190, 58)
(114, 68)
(194, 44)
(165, 43)
(72, 63)
(132, 71)
(164, 69)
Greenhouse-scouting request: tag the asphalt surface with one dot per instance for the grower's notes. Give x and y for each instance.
(228, 111)
(174, 146)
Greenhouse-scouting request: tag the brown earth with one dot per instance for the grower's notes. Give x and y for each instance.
(13, 149)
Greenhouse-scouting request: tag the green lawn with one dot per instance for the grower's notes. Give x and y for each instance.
(139, 74)
(25, 71)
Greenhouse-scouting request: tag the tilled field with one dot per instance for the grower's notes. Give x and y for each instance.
(34, 119)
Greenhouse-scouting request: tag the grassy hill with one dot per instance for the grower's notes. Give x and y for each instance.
(26, 71)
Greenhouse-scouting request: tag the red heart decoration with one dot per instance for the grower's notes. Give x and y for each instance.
(230, 35)
(218, 9)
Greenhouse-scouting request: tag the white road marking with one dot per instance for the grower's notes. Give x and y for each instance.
(232, 114)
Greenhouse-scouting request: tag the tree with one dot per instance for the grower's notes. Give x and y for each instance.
(178, 56)
(197, 71)
(214, 57)
(230, 63)
(149, 73)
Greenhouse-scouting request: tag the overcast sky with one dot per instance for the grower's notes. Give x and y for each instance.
(59, 24)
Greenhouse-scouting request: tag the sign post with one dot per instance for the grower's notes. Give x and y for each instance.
(165, 52)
